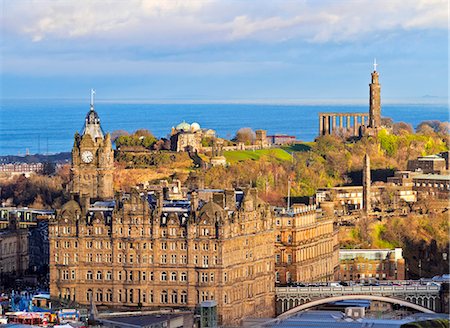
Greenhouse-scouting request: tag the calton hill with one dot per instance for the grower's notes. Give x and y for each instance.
(329, 161)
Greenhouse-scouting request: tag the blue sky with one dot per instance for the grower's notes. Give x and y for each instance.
(217, 50)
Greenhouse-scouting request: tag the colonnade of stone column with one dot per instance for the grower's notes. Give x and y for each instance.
(329, 122)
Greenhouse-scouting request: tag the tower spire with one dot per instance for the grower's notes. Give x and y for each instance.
(92, 99)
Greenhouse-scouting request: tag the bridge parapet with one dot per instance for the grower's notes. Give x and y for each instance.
(423, 295)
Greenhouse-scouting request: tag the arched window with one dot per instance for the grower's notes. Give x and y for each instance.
(183, 297)
(109, 295)
(89, 295)
(288, 277)
(183, 276)
(164, 297)
(277, 276)
(173, 276)
(163, 276)
(119, 275)
(99, 296)
(109, 275)
(174, 297)
(99, 275)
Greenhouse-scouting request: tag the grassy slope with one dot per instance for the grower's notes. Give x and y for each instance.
(242, 155)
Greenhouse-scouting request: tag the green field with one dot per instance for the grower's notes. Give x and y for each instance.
(242, 155)
(300, 147)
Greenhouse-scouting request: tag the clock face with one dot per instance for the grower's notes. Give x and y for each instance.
(87, 156)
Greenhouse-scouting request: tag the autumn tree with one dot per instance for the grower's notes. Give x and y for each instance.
(245, 135)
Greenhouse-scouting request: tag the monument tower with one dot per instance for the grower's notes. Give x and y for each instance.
(92, 159)
(375, 100)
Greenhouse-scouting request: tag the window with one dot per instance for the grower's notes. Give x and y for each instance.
(278, 238)
(205, 261)
(183, 259)
(277, 258)
(130, 275)
(109, 275)
(89, 295)
(277, 276)
(183, 276)
(89, 275)
(144, 275)
(173, 276)
(73, 275)
(164, 297)
(173, 259)
(183, 297)
(164, 245)
(99, 295)
(119, 275)
(163, 276)
(289, 258)
(174, 297)
(163, 259)
(99, 275)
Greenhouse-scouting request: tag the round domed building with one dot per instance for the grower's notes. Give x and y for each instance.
(188, 137)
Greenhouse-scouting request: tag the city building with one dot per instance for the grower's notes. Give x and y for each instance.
(347, 199)
(427, 164)
(21, 168)
(383, 264)
(306, 245)
(14, 256)
(188, 137)
(436, 186)
(143, 250)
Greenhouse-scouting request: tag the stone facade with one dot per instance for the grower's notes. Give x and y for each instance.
(92, 161)
(14, 256)
(306, 245)
(383, 264)
(428, 164)
(142, 250)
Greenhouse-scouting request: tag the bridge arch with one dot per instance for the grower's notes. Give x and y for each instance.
(352, 297)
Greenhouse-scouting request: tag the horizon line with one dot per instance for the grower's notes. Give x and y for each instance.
(425, 100)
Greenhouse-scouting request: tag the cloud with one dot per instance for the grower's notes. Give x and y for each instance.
(197, 22)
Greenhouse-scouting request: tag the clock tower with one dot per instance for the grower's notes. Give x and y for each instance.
(92, 160)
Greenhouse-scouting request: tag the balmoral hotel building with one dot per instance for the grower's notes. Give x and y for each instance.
(140, 250)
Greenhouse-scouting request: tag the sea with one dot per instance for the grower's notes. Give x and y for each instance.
(48, 126)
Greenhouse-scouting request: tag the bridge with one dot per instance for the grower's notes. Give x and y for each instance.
(419, 297)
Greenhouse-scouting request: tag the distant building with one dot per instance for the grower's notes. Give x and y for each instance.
(22, 168)
(306, 245)
(383, 264)
(281, 139)
(425, 185)
(188, 137)
(427, 164)
(350, 198)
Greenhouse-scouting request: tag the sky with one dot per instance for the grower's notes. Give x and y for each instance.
(224, 50)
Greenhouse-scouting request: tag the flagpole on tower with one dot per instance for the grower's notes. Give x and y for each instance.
(92, 98)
